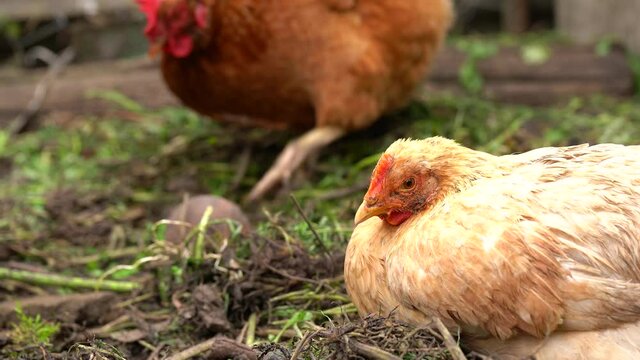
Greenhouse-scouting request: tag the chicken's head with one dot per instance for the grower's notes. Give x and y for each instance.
(173, 25)
(398, 190)
(413, 175)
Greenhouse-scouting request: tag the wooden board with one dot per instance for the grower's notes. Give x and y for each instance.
(571, 71)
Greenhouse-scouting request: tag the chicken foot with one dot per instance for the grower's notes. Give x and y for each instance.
(293, 156)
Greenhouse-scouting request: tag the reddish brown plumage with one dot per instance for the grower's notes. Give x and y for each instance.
(530, 254)
(302, 64)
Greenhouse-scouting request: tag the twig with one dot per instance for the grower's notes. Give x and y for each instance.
(134, 300)
(57, 63)
(243, 333)
(115, 325)
(221, 348)
(291, 277)
(370, 352)
(316, 237)
(154, 354)
(67, 281)
(301, 345)
(147, 345)
(449, 342)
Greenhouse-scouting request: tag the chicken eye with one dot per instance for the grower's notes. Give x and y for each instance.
(409, 183)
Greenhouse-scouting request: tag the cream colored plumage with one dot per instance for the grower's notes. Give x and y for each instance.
(537, 253)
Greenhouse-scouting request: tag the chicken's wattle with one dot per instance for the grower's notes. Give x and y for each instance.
(396, 217)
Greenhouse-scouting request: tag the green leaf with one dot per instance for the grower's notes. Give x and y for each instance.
(535, 54)
(603, 46)
(4, 143)
(118, 98)
(470, 77)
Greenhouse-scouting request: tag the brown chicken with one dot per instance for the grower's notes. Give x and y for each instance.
(531, 254)
(331, 65)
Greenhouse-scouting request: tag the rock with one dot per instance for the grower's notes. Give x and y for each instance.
(192, 211)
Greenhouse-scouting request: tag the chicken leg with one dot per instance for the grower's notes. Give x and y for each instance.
(293, 156)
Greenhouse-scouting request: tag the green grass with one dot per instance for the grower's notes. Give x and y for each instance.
(138, 157)
(32, 330)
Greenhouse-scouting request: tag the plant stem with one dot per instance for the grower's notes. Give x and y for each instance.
(251, 329)
(198, 249)
(67, 281)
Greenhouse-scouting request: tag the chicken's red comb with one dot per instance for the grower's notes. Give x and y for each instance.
(149, 7)
(379, 174)
(201, 15)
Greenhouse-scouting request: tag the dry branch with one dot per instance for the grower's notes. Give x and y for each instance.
(370, 352)
(222, 348)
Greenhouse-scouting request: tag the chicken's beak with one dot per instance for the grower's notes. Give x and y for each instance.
(365, 211)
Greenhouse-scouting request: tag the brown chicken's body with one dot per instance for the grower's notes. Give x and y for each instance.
(335, 65)
(530, 254)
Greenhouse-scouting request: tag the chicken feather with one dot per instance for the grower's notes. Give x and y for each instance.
(514, 248)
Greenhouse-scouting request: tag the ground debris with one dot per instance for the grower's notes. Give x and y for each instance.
(206, 309)
(84, 218)
(85, 308)
(94, 349)
(276, 268)
(375, 337)
(273, 352)
(217, 348)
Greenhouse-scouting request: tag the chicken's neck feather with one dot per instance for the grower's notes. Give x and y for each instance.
(461, 170)
(454, 167)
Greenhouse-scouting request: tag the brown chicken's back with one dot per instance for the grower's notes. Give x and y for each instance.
(303, 63)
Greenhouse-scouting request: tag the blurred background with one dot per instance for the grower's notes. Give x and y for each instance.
(101, 32)
(95, 152)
